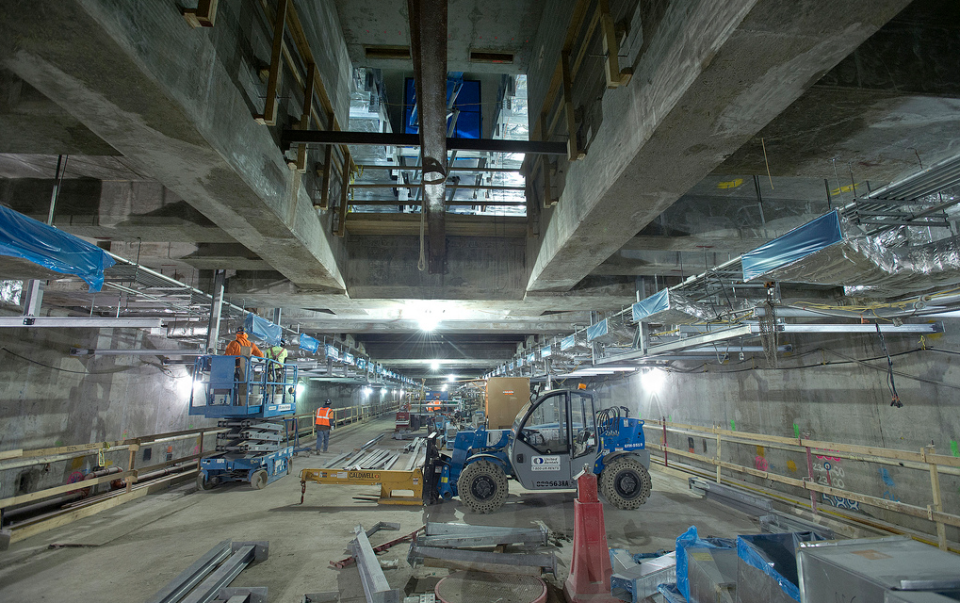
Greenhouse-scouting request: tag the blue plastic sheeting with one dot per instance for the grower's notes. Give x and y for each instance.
(671, 594)
(511, 366)
(795, 245)
(546, 351)
(598, 330)
(690, 538)
(348, 358)
(332, 352)
(309, 344)
(568, 342)
(776, 556)
(23, 237)
(262, 329)
(361, 363)
(531, 357)
(658, 302)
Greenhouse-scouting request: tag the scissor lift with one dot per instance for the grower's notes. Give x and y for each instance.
(253, 398)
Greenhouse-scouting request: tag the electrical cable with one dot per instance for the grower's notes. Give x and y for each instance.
(894, 396)
(56, 368)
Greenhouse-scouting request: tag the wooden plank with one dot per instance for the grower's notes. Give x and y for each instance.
(344, 188)
(820, 446)
(610, 46)
(203, 16)
(582, 53)
(574, 151)
(270, 106)
(325, 178)
(937, 499)
(11, 454)
(548, 200)
(21, 533)
(305, 116)
(47, 493)
(913, 510)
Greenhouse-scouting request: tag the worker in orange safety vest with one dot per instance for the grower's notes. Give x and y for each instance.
(323, 423)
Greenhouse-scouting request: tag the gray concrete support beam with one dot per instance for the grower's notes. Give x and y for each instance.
(713, 75)
(171, 107)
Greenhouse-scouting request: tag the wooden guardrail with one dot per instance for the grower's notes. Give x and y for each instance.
(925, 459)
(17, 458)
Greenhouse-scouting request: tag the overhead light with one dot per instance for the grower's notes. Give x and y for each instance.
(301, 387)
(184, 386)
(451, 377)
(435, 365)
(367, 391)
(653, 380)
(444, 387)
(428, 322)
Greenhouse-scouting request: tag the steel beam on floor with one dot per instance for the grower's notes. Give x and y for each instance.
(375, 585)
(489, 145)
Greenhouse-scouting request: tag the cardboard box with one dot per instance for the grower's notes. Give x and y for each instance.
(505, 397)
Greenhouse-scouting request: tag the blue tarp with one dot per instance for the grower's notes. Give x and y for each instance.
(23, 237)
(262, 329)
(568, 342)
(348, 358)
(309, 344)
(332, 352)
(598, 330)
(361, 363)
(690, 538)
(546, 351)
(658, 302)
(795, 245)
(531, 357)
(776, 556)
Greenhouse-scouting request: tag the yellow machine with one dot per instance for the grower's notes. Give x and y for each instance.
(389, 482)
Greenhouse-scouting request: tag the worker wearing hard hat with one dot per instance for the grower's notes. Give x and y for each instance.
(323, 422)
(236, 347)
(279, 354)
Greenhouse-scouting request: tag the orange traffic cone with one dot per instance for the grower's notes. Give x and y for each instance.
(590, 570)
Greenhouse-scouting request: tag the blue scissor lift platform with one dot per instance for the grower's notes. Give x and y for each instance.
(253, 398)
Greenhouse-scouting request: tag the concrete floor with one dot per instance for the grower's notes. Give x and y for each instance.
(132, 551)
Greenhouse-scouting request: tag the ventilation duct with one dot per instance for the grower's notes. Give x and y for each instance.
(831, 251)
(671, 308)
(611, 331)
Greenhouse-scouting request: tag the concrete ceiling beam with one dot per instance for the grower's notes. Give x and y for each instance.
(172, 109)
(712, 76)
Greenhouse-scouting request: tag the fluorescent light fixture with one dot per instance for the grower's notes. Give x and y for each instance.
(301, 387)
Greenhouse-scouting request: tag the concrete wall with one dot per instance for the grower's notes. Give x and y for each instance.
(847, 403)
(49, 398)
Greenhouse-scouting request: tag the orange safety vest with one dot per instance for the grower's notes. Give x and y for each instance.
(323, 415)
